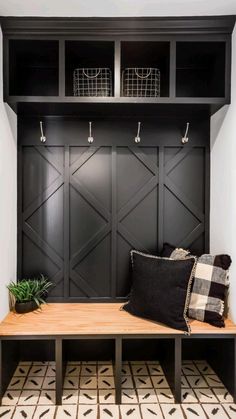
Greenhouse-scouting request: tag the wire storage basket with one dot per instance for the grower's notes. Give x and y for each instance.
(141, 82)
(92, 82)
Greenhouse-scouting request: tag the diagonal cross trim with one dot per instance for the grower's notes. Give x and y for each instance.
(50, 158)
(90, 245)
(90, 199)
(81, 283)
(86, 155)
(172, 163)
(43, 197)
(192, 236)
(130, 239)
(42, 245)
(137, 198)
(58, 277)
(188, 204)
(141, 156)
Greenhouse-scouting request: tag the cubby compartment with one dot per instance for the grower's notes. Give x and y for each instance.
(34, 68)
(97, 60)
(208, 364)
(200, 69)
(145, 55)
(27, 365)
(88, 350)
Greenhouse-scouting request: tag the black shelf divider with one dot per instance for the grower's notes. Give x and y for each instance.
(117, 69)
(62, 68)
(172, 69)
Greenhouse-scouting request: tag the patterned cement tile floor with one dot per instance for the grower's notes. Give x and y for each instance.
(89, 392)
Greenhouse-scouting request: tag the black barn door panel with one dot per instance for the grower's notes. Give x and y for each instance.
(83, 208)
(184, 197)
(90, 222)
(137, 208)
(42, 215)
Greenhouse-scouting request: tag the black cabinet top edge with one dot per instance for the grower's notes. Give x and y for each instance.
(118, 26)
(116, 111)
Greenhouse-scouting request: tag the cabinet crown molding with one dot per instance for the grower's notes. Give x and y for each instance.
(65, 26)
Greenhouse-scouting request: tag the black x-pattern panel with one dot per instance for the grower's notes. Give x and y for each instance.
(136, 199)
(36, 239)
(179, 194)
(89, 289)
(111, 231)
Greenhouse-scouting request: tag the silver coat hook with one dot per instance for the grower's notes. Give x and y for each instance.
(43, 137)
(137, 138)
(184, 139)
(90, 137)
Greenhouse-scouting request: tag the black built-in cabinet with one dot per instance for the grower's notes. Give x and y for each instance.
(192, 54)
(82, 207)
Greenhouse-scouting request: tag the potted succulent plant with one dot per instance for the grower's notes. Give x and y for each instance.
(29, 294)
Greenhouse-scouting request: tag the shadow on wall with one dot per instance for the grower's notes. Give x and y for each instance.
(8, 205)
(219, 118)
(12, 118)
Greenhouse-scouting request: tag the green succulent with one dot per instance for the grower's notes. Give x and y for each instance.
(35, 289)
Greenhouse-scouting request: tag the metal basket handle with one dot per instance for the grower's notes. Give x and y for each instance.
(142, 77)
(92, 77)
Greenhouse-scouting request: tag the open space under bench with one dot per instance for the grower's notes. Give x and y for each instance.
(58, 326)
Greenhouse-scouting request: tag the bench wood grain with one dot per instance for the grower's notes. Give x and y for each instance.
(57, 319)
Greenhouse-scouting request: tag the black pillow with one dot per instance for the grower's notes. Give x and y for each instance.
(161, 289)
(174, 252)
(167, 250)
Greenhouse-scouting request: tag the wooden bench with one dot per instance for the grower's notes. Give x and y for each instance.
(59, 322)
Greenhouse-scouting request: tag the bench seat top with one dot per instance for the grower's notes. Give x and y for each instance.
(63, 319)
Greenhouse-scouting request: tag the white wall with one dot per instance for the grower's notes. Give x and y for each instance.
(116, 7)
(223, 129)
(223, 183)
(8, 194)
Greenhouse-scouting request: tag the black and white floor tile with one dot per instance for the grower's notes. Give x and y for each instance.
(109, 411)
(70, 397)
(47, 397)
(44, 412)
(106, 396)
(89, 392)
(127, 382)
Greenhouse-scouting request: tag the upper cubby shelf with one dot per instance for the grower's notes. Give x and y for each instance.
(200, 69)
(33, 67)
(141, 61)
(89, 68)
(145, 69)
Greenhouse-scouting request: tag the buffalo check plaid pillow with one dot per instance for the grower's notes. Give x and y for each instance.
(209, 288)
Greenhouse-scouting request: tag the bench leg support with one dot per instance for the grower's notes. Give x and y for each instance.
(118, 366)
(59, 372)
(178, 364)
(1, 374)
(234, 372)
